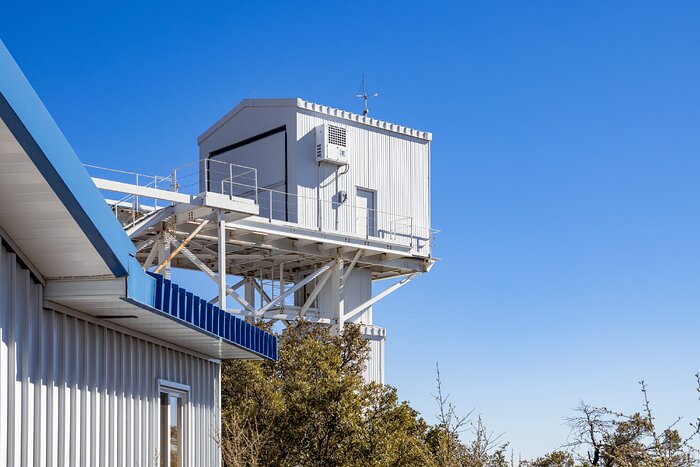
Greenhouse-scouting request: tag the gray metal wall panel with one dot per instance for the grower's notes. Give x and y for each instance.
(358, 289)
(76, 393)
(397, 167)
(251, 122)
(375, 364)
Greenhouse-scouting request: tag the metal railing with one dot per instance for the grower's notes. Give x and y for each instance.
(204, 175)
(338, 217)
(274, 205)
(215, 176)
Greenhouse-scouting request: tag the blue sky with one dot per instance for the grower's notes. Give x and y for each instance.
(564, 170)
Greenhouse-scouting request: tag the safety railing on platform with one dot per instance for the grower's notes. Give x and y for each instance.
(338, 216)
(225, 178)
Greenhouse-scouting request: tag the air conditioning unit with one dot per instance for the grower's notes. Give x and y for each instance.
(332, 144)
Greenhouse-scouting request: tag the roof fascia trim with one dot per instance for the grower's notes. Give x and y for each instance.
(319, 109)
(46, 146)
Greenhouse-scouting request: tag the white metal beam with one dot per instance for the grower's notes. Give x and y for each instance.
(261, 291)
(296, 287)
(352, 265)
(182, 245)
(151, 255)
(222, 259)
(357, 310)
(211, 274)
(164, 251)
(338, 293)
(309, 301)
(131, 189)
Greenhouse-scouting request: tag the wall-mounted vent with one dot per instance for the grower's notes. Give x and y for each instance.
(332, 144)
(337, 135)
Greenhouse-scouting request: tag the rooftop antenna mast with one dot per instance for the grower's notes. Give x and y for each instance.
(364, 96)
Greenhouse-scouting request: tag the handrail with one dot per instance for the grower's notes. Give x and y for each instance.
(241, 181)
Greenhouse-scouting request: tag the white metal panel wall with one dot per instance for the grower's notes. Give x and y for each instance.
(73, 392)
(375, 364)
(358, 289)
(397, 167)
(252, 121)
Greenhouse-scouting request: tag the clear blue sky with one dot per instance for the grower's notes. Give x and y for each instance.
(565, 170)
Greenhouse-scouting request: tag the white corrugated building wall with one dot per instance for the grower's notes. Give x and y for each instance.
(75, 390)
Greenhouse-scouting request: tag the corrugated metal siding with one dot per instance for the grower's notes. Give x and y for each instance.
(395, 166)
(250, 122)
(358, 289)
(76, 393)
(375, 364)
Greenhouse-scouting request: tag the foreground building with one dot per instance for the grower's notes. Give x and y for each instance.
(101, 363)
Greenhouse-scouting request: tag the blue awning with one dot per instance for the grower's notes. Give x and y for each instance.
(196, 312)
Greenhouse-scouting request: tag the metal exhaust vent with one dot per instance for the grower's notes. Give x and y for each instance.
(332, 144)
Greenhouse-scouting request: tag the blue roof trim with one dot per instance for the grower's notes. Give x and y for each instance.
(42, 140)
(196, 313)
(31, 124)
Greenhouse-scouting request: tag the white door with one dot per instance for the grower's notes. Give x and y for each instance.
(366, 213)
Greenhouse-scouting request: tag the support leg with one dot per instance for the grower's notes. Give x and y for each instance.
(249, 292)
(163, 253)
(222, 261)
(338, 294)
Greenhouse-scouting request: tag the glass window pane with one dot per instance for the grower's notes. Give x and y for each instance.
(172, 409)
(164, 428)
(175, 425)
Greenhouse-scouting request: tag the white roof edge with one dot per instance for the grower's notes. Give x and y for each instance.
(322, 109)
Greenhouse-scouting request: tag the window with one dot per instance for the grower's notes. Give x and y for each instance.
(173, 424)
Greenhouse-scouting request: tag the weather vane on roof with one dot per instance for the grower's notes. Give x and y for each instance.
(364, 96)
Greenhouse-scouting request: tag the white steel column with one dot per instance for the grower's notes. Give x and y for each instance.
(163, 253)
(338, 295)
(249, 292)
(222, 261)
(152, 255)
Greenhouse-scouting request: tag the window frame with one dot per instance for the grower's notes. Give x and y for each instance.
(181, 391)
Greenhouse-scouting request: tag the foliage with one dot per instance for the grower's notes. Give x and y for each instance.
(553, 459)
(601, 437)
(313, 408)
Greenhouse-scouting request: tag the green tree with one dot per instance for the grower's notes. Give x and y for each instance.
(553, 459)
(313, 408)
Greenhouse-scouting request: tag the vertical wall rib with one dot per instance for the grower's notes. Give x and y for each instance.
(76, 393)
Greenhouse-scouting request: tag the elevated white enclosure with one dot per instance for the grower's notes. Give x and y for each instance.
(381, 193)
